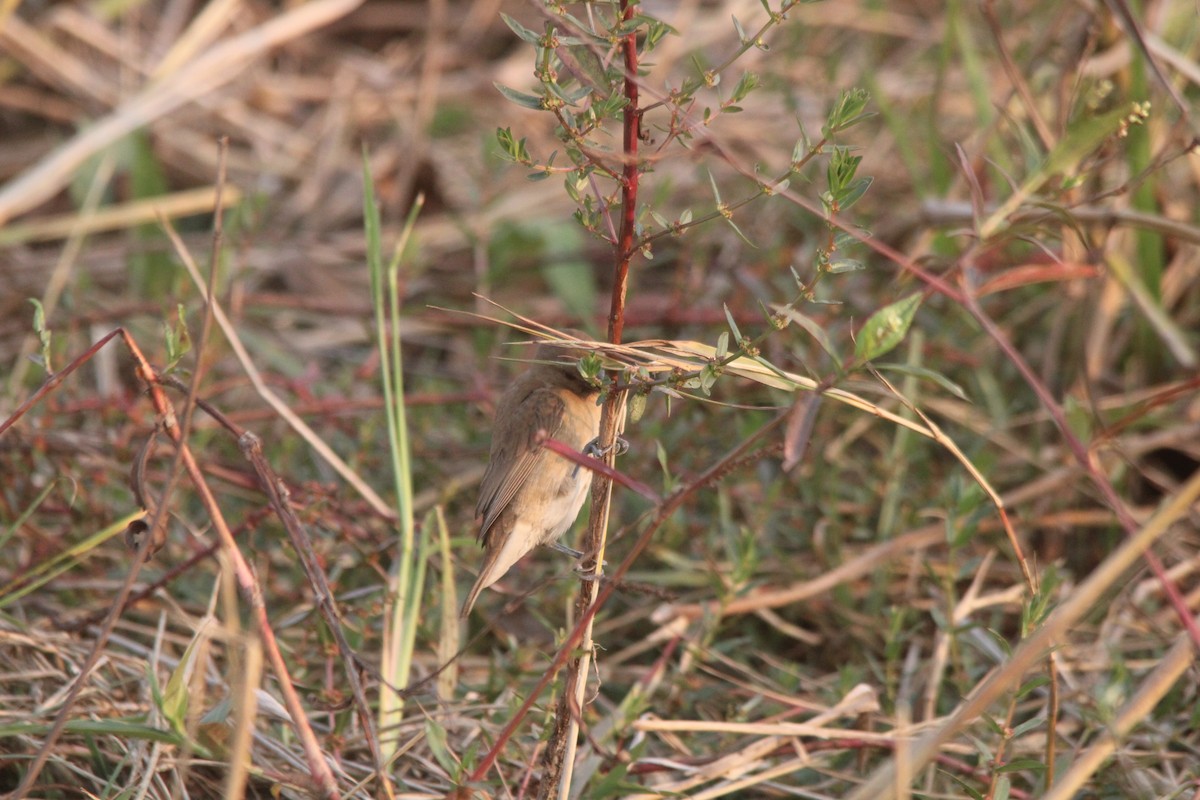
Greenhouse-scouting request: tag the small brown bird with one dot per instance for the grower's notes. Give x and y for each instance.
(530, 495)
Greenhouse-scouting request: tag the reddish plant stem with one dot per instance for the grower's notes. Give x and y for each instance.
(629, 179)
(57, 378)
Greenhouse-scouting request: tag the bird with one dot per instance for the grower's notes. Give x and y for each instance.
(530, 495)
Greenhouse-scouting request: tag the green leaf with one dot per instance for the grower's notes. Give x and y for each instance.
(656, 30)
(716, 192)
(737, 334)
(853, 193)
(927, 374)
(848, 111)
(744, 86)
(814, 330)
(886, 328)
(589, 70)
(738, 231)
(176, 696)
(999, 639)
(840, 265)
(435, 736)
(43, 333)
(568, 97)
(637, 406)
(39, 315)
(526, 35)
(801, 149)
(966, 787)
(177, 340)
(520, 98)
(1028, 725)
(513, 149)
(741, 32)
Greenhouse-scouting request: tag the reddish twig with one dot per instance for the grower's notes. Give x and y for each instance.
(600, 467)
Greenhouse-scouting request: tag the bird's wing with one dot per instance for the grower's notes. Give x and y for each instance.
(515, 452)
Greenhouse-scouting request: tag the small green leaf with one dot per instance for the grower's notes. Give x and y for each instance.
(178, 341)
(848, 111)
(1028, 725)
(39, 315)
(999, 639)
(656, 30)
(927, 374)
(853, 193)
(176, 696)
(520, 30)
(571, 98)
(219, 713)
(520, 98)
(966, 787)
(732, 324)
(801, 149)
(741, 33)
(814, 330)
(886, 328)
(43, 333)
(637, 406)
(840, 265)
(745, 85)
(716, 192)
(435, 736)
(738, 231)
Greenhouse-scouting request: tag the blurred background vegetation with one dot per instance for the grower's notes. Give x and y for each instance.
(110, 114)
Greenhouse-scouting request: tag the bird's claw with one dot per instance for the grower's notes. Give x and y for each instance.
(577, 555)
(593, 448)
(585, 575)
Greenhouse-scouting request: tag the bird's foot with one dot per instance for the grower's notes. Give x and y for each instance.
(587, 575)
(578, 555)
(593, 448)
